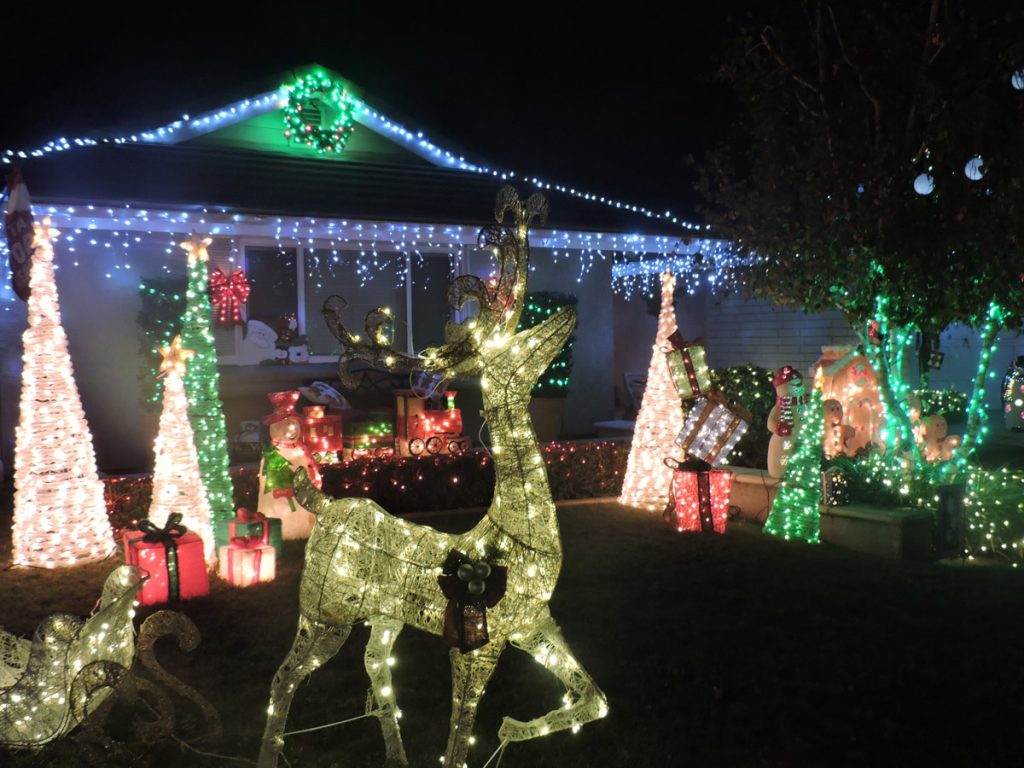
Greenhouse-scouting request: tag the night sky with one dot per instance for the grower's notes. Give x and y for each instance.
(601, 100)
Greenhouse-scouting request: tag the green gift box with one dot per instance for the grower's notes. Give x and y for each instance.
(247, 524)
(689, 369)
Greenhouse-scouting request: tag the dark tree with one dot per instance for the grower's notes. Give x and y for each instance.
(850, 111)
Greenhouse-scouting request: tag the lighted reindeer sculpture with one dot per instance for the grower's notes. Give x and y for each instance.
(362, 564)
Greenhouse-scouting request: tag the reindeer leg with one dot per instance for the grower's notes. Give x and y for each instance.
(315, 643)
(470, 673)
(584, 701)
(377, 659)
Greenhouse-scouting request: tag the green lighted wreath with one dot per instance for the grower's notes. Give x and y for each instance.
(319, 113)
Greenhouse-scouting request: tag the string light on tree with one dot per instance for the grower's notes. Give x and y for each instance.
(60, 517)
(659, 422)
(177, 485)
(202, 385)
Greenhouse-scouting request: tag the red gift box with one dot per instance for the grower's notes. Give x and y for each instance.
(247, 560)
(158, 557)
(699, 497)
(321, 432)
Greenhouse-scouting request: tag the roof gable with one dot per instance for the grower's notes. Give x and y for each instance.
(252, 125)
(264, 132)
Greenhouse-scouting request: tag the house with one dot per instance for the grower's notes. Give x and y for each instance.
(372, 208)
(377, 211)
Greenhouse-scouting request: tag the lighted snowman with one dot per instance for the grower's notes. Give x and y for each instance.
(281, 458)
(784, 418)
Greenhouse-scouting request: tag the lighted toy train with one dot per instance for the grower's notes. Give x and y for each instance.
(428, 424)
(420, 425)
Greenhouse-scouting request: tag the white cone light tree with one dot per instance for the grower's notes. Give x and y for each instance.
(659, 421)
(177, 483)
(60, 516)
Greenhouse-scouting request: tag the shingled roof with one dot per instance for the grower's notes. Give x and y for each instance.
(221, 169)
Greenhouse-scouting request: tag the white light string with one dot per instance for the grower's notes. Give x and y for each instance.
(188, 127)
(372, 247)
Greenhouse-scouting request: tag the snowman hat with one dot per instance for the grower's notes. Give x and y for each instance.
(284, 406)
(786, 373)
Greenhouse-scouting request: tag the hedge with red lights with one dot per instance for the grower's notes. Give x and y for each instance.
(401, 484)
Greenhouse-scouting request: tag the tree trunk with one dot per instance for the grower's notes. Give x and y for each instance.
(976, 416)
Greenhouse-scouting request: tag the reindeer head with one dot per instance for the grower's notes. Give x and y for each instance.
(485, 345)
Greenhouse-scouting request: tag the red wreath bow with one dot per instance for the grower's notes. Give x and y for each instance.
(227, 295)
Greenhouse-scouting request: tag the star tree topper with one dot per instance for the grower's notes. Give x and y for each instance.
(196, 248)
(43, 231)
(175, 357)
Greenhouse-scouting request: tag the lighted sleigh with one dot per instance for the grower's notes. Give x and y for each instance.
(50, 684)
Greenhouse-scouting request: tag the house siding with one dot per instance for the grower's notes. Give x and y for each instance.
(739, 332)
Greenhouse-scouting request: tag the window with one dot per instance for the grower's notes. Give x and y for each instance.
(273, 282)
(328, 273)
(294, 283)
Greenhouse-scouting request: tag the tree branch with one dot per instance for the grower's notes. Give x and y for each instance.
(875, 103)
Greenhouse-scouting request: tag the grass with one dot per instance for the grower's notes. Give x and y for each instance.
(735, 650)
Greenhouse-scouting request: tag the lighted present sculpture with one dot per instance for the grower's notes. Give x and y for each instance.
(480, 590)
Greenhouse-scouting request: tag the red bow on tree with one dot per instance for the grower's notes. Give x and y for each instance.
(227, 295)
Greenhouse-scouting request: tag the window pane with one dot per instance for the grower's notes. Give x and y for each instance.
(364, 286)
(430, 278)
(271, 273)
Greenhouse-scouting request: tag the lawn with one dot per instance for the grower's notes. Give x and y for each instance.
(735, 650)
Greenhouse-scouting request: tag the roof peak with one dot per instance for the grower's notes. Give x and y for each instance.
(369, 114)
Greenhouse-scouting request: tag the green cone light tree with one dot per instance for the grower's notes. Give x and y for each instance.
(795, 513)
(202, 385)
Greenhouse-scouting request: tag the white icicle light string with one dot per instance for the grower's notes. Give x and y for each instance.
(373, 247)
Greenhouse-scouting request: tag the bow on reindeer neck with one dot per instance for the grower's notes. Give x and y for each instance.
(471, 588)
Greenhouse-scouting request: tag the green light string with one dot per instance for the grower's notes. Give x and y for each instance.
(994, 501)
(892, 389)
(796, 513)
(950, 402)
(977, 428)
(162, 304)
(202, 385)
(538, 307)
(305, 127)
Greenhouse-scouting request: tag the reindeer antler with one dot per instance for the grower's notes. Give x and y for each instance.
(500, 303)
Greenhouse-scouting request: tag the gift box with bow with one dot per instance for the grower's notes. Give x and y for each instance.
(713, 428)
(688, 367)
(247, 524)
(698, 497)
(248, 559)
(173, 559)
